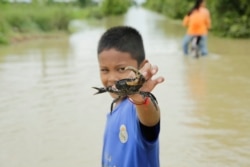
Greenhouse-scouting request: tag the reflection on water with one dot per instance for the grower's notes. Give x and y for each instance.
(50, 118)
(221, 112)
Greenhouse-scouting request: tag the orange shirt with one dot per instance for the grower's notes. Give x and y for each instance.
(198, 22)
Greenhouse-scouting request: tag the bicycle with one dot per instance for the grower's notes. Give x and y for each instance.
(195, 46)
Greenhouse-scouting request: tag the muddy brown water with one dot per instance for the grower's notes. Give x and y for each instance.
(50, 118)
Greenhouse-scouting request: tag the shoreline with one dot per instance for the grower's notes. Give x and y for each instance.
(20, 38)
(27, 37)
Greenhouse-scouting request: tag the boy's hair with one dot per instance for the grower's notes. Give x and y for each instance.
(124, 39)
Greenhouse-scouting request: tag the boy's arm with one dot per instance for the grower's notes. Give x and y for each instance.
(148, 114)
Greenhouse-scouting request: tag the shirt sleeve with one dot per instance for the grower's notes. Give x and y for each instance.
(150, 133)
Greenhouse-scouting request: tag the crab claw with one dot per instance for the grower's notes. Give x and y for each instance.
(136, 71)
(100, 90)
(139, 78)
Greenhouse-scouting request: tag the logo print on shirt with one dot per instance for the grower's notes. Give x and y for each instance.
(123, 135)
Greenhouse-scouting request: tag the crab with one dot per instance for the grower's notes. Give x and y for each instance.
(129, 86)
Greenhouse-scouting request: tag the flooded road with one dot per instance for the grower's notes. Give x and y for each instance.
(50, 118)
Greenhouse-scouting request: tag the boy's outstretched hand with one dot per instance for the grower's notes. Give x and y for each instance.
(148, 114)
(148, 71)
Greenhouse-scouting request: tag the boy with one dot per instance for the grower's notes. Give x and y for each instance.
(132, 129)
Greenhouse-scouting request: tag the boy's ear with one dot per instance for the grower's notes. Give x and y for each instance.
(143, 63)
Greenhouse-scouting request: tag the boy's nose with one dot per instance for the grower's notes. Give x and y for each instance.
(112, 79)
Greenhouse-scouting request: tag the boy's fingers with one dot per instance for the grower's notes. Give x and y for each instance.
(151, 84)
(149, 70)
(160, 79)
(154, 69)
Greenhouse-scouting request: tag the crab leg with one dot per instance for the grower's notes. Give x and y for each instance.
(151, 96)
(107, 89)
(112, 104)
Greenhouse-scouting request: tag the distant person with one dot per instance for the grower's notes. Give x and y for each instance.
(131, 137)
(198, 23)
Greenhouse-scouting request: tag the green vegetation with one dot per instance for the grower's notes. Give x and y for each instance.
(21, 19)
(18, 20)
(230, 18)
(115, 7)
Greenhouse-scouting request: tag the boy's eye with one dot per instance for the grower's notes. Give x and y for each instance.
(121, 69)
(104, 70)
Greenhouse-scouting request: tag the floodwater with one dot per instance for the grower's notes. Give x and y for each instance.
(50, 118)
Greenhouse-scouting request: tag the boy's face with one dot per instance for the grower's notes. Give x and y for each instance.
(112, 64)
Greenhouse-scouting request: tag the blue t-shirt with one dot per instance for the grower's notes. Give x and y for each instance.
(124, 145)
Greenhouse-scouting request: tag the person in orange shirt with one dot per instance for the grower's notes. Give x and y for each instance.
(198, 23)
